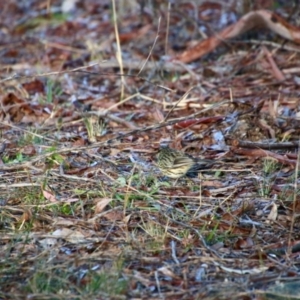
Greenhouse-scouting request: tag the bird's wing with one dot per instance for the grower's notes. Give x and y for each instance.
(183, 161)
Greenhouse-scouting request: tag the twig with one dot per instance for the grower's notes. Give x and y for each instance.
(150, 52)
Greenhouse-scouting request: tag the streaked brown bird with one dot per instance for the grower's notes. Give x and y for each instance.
(175, 164)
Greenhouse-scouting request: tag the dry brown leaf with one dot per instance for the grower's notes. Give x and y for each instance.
(49, 196)
(27, 215)
(114, 215)
(101, 204)
(273, 213)
(127, 219)
(72, 236)
(244, 243)
(264, 18)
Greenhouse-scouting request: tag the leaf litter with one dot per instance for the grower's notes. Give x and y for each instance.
(84, 210)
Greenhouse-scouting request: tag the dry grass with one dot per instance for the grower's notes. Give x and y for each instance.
(85, 212)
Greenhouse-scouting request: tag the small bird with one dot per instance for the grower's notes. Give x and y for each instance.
(175, 164)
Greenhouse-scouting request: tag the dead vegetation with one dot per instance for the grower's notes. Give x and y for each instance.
(85, 212)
